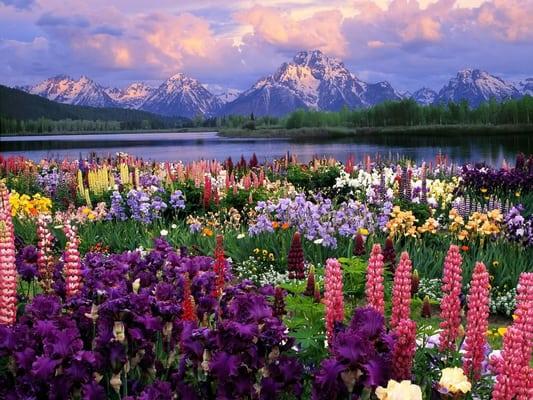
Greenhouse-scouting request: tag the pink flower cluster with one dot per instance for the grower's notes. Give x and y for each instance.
(71, 258)
(375, 296)
(333, 297)
(44, 252)
(477, 322)
(450, 306)
(8, 269)
(515, 376)
(404, 349)
(401, 291)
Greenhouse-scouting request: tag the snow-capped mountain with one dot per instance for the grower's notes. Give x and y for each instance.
(476, 87)
(64, 89)
(424, 96)
(311, 80)
(526, 87)
(132, 96)
(183, 96)
(228, 95)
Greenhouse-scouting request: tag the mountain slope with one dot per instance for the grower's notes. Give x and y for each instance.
(311, 80)
(81, 92)
(476, 87)
(133, 96)
(17, 104)
(182, 95)
(526, 87)
(424, 96)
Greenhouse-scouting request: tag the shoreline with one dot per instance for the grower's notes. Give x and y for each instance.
(344, 132)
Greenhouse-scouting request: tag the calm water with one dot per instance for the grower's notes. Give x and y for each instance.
(207, 145)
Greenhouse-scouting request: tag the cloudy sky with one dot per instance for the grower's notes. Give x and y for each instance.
(233, 43)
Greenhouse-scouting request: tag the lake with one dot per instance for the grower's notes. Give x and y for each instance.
(208, 145)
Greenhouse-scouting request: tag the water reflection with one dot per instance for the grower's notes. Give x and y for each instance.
(207, 145)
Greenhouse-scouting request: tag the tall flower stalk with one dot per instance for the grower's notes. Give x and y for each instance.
(514, 370)
(404, 349)
(333, 297)
(71, 258)
(477, 322)
(450, 305)
(44, 253)
(295, 258)
(401, 290)
(8, 269)
(219, 266)
(375, 291)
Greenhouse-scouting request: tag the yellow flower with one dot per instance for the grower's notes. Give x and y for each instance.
(495, 263)
(454, 380)
(483, 190)
(502, 331)
(363, 231)
(403, 390)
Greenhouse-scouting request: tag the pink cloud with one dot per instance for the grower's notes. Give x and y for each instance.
(320, 31)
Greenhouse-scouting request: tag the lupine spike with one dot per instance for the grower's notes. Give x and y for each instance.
(375, 291)
(401, 291)
(72, 264)
(477, 322)
(404, 349)
(451, 304)
(44, 253)
(333, 296)
(8, 269)
(295, 258)
(219, 266)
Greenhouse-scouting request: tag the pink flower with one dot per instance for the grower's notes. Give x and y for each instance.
(450, 306)
(404, 349)
(8, 269)
(401, 291)
(44, 252)
(333, 297)
(375, 296)
(477, 322)
(71, 258)
(514, 378)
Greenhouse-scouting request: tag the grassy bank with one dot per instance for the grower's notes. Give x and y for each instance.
(340, 132)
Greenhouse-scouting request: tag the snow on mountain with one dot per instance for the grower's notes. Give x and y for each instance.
(181, 95)
(228, 95)
(132, 96)
(311, 80)
(424, 96)
(526, 87)
(476, 87)
(64, 89)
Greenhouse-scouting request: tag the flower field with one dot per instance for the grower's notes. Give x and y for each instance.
(363, 279)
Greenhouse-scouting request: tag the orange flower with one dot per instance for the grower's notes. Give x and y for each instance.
(285, 226)
(207, 232)
(275, 224)
(465, 248)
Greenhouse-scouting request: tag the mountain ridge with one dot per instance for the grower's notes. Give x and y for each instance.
(311, 80)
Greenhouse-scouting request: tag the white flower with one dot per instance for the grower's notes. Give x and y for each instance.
(318, 241)
(241, 236)
(163, 232)
(173, 226)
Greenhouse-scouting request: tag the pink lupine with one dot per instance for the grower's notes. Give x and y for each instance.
(375, 292)
(514, 371)
(44, 252)
(477, 322)
(401, 291)
(450, 305)
(8, 269)
(71, 258)
(404, 349)
(333, 297)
